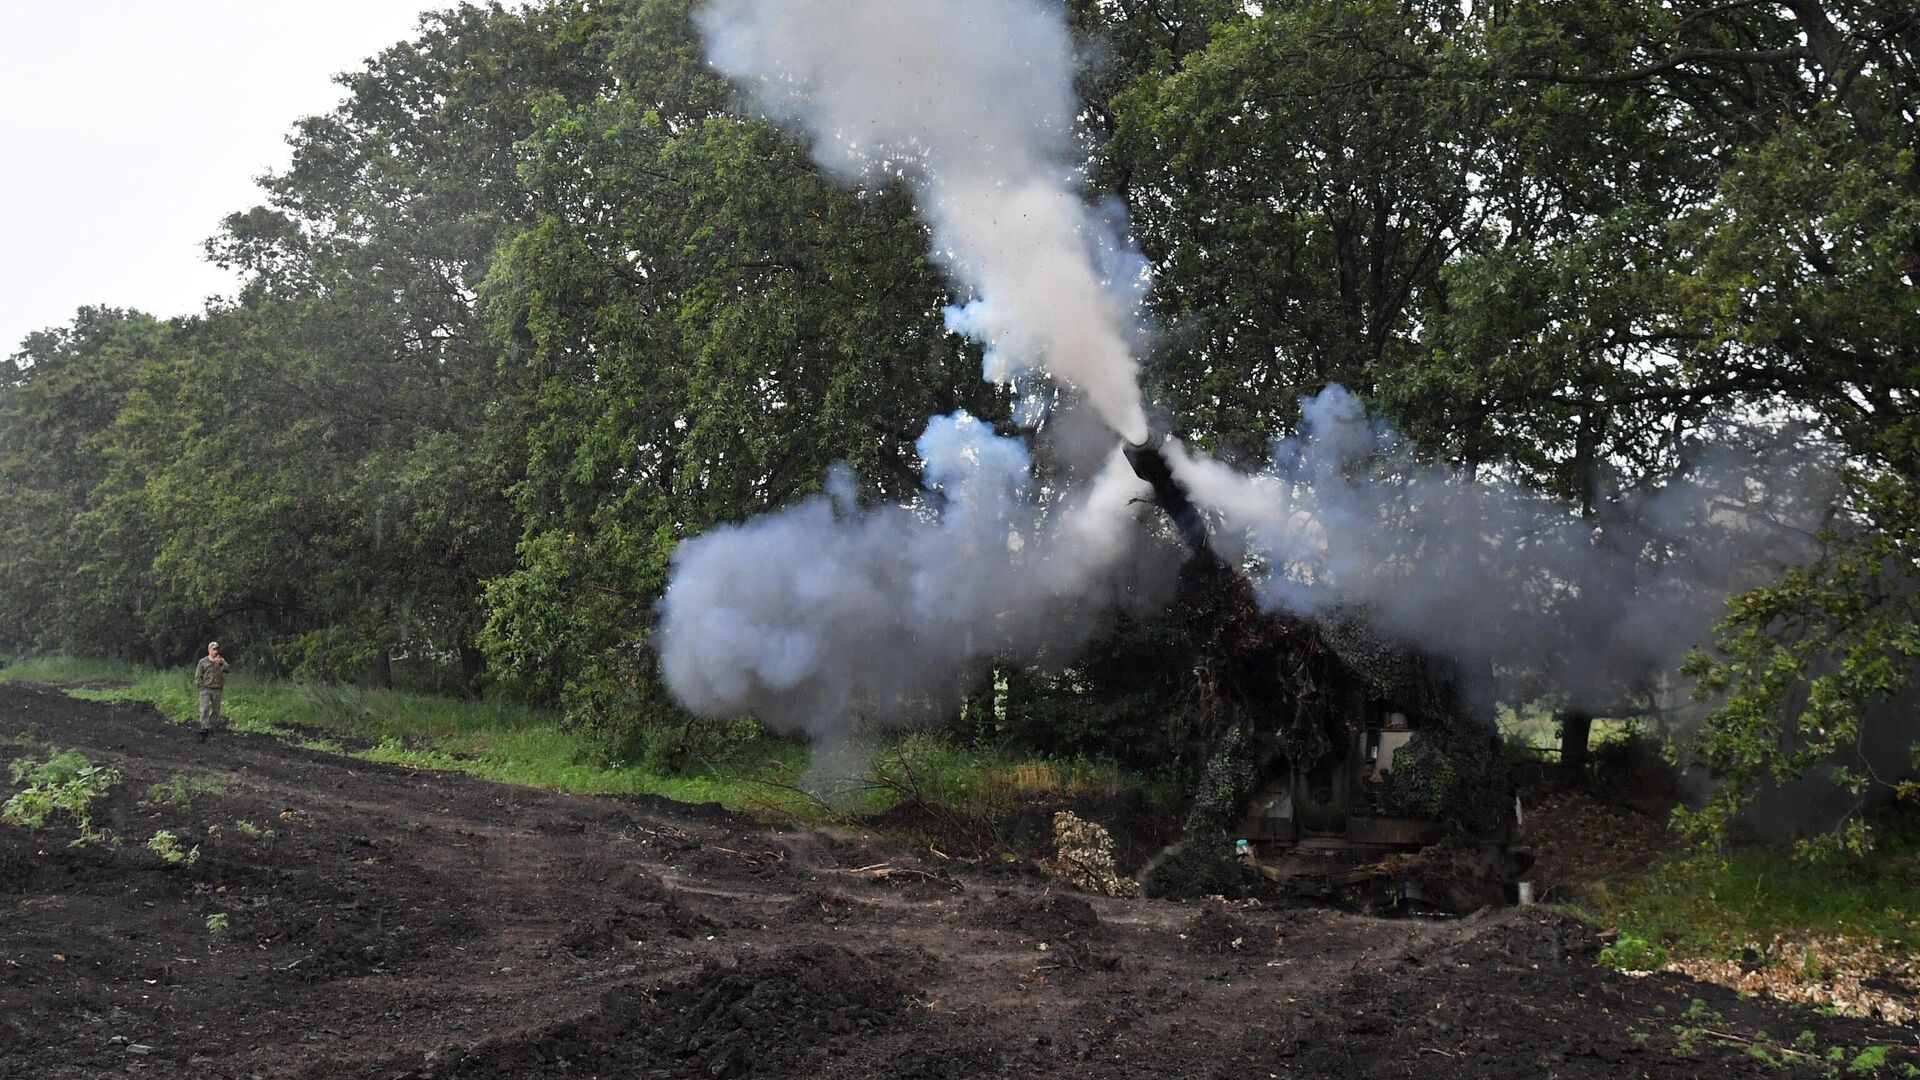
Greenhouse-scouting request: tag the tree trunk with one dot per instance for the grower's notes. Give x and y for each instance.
(1576, 728)
(472, 666)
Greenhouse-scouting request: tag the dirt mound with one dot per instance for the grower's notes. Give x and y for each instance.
(787, 1013)
(1059, 924)
(643, 908)
(1051, 915)
(1216, 930)
(826, 909)
(1578, 838)
(779, 1014)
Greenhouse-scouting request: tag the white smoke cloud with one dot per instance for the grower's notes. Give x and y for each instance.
(825, 610)
(1347, 515)
(972, 102)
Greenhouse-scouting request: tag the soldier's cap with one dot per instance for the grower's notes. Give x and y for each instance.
(213, 644)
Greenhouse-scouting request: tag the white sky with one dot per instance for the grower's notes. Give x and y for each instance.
(129, 128)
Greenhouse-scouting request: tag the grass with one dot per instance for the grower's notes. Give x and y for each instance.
(65, 669)
(1716, 904)
(179, 789)
(497, 740)
(533, 747)
(985, 781)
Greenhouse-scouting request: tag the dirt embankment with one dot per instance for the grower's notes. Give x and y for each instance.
(403, 924)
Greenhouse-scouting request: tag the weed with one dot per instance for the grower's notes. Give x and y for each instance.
(1631, 952)
(1688, 1035)
(179, 789)
(65, 783)
(217, 923)
(166, 845)
(1870, 1060)
(172, 791)
(1814, 968)
(251, 831)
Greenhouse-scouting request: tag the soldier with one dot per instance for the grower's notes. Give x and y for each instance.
(209, 677)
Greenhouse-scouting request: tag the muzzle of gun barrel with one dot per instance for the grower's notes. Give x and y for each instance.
(1150, 463)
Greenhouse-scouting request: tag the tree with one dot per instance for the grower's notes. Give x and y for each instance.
(369, 258)
(59, 395)
(705, 324)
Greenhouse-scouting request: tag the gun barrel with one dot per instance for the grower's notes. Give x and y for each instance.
(1149, 461)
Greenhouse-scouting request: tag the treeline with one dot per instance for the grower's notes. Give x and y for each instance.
(532, 304)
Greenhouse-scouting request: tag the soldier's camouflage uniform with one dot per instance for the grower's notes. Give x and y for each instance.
(210, 677)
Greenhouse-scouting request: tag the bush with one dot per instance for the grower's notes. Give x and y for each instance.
(65, 783)
(668, 749)
(1631, 952)
(1200, 865)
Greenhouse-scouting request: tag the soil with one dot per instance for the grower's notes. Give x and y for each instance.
(399, 923)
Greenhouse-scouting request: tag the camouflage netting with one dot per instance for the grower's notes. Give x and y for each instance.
(1421, 685)
(1452, 773)
(1275, 688)
(1083, 857)
(1231, 775)
(1266, 676)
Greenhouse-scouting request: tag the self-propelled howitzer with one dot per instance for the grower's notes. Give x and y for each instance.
(1340, 764)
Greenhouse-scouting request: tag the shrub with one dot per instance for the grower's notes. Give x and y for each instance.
(1200, 865)
(1630, 952)
(166, 845)
(65, 783)
(675, 749)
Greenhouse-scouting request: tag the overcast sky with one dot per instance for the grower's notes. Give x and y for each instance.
(129, 128)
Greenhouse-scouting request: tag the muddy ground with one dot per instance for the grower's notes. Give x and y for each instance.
(409, 924)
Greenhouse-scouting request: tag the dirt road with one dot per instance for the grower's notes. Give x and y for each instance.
(407, 924)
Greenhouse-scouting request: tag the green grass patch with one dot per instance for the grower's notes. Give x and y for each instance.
(501, 741)
(179, 789)
(984, 780)
(1716, 904)
(64, 670)
(517, 744)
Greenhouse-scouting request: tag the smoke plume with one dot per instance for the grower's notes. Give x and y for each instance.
(825, 610)
(1348, 516)
(972, 102)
